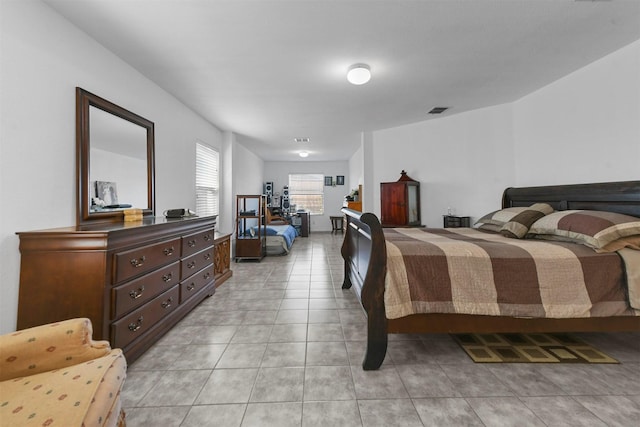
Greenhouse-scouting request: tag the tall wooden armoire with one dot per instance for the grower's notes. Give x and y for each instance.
(400, 202)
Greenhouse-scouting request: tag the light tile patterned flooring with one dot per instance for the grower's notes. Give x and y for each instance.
(280, 344)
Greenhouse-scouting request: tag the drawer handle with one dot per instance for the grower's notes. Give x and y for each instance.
(137, 293)
(206, 275)
(207, 256)
(191, 287)
(207, 237)
(135, 326)
(191, 243)
(168, 251)
(191, 264)
(138, 262)
(167, 303)
(167, 277)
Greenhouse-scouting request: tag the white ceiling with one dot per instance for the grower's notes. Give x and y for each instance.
(274, 70)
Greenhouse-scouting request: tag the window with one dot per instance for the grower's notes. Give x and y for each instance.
(207, 180)
(307, 192)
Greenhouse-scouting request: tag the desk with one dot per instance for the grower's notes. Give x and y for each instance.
(305, 224)
(301, 222)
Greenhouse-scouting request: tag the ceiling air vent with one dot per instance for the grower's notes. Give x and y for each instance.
(438, 110)
(301, 139)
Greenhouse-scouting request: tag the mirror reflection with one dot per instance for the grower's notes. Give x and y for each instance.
(118, 169)
(115, 160)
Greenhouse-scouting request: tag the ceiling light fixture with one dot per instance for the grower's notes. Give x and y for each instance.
(303, 154)
(359, 74)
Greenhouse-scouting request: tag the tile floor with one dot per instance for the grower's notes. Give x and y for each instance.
(280, 344)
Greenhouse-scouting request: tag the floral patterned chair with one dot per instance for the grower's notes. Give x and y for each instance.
(57, 375)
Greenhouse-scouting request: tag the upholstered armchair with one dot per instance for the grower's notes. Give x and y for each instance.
(56, 374)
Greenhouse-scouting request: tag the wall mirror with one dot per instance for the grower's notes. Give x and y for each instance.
(115, 160)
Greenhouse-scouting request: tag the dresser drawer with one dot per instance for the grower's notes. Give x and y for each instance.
(195, 283)
(137, 292)
(140, 321)
(196, 242)
(196, 262)
(136, 261)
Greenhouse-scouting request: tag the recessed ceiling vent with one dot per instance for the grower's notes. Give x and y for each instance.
(438, 110)
(301, 139)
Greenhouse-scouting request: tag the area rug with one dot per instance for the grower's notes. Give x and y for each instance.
(529, 348)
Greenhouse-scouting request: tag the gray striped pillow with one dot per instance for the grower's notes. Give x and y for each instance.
(592, 228)
(502, 216)
(519, 225)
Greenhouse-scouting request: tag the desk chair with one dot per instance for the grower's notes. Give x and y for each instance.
(275, 219)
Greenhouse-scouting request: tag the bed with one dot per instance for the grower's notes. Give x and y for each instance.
(280, 238)
(372, 269)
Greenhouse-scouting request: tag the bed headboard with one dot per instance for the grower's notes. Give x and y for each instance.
(622, 197)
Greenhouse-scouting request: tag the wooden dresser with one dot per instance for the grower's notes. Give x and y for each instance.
(133, 280)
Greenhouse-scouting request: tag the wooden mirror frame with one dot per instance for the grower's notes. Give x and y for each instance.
(84, 100)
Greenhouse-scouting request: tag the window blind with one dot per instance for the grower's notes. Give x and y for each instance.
(307, 192)
(207, 180)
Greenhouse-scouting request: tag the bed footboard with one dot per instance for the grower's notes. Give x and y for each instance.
(365, 267)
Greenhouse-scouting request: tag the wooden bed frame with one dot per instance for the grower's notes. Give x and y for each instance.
(364, 253)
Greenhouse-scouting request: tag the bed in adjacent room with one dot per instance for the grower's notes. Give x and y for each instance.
(553, 259)
(280, 238)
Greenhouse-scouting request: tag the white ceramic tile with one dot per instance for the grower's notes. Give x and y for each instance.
(238, 352)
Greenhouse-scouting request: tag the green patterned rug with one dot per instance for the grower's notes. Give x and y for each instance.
(529, 348)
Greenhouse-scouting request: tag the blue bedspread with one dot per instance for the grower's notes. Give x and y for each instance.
(288, 232)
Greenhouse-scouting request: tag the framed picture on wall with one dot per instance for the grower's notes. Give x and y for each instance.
(328, 181)
(340, 180)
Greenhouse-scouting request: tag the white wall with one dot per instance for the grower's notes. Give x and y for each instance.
(226, 222)
(118, 168)
(278, 172)
(584, 127)
(463, 162)
(248, 170)
(367, 197)
(43, 59)
(356, 167)
(246, 176)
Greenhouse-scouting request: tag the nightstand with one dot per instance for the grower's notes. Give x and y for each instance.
(451, 221)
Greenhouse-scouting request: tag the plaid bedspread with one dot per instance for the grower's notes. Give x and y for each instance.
(463, 270)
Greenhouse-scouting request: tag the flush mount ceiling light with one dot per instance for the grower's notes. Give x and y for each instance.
(359, 74)
(303, 154)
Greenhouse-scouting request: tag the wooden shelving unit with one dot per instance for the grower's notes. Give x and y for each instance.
(251, 241)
